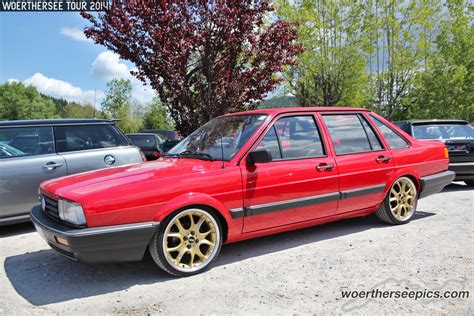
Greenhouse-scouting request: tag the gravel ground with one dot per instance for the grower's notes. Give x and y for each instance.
(297, 272)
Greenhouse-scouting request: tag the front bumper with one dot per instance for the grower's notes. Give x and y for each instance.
(463, 170)
(435, 183)
(98, 244)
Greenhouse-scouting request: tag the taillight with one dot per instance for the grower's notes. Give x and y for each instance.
(143, 155)
(446, 153)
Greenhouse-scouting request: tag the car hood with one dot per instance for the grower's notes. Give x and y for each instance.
(76, 186)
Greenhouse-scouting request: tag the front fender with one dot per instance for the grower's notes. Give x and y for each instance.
(192, 198)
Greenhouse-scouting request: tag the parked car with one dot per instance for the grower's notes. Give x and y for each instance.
(37, 150)
(168, 144)
(458, 136)
(242, 176)
(165, 134)
(149, 143)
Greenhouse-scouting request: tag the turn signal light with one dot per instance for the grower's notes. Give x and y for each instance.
(446, 153)
(61, 240)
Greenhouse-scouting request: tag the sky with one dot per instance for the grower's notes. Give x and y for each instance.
(49, 51)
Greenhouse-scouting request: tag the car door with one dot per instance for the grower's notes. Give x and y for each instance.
(94, 146)
(364, 164)
(29, 160)
(299, 184)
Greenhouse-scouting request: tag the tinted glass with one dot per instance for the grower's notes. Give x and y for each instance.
(221, 137)
(26, 141)
(270, 144)
(394, 140)
(347, 134)
(84, 137)
(447, 131)
(145, 141)
(374, 141)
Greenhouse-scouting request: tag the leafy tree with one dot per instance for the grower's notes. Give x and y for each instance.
(444, 89)
(20, 102)
(204, 58)
(331, 70)
(401, 33)
(66, 109)
(285, 101)
(156, 116)
(118, 104)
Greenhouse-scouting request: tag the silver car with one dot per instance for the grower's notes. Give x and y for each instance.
(38, 150)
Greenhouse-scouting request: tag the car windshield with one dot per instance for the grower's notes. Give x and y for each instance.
(443, 131)
(220, 138)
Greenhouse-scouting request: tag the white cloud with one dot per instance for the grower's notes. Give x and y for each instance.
(12, 80)
(74, 34)
(107, 66)
(62, 89)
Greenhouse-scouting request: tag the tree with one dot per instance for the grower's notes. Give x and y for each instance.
(204, 58)
(331, 70)
(118, 104)
(156, 117)
(20, 102)
(401, 33)
(444, 89)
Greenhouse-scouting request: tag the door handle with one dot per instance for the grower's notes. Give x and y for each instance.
(381, 159)
(50, 166)
(324, 167)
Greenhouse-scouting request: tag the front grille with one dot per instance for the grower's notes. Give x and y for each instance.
(51, 208)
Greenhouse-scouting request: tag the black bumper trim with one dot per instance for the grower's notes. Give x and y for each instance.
(435, 183)
(98, 244)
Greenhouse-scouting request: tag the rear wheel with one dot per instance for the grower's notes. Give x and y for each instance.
(470, 183)
(187, 242)
(399, 205)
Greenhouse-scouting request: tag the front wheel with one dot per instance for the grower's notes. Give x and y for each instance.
(187, 242)
(399, 205)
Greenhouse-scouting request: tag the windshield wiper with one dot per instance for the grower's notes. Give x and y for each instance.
(190, 154)
(195, 154)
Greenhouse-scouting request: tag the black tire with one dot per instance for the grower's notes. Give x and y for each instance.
(384, 212)
(158, 251)
(469, 183)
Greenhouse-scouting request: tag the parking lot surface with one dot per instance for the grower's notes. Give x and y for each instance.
(297, 272)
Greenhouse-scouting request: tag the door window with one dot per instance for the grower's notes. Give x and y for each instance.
(394, 140)
(26, 141)
(84, 137)
(293, 137)
(351, 134)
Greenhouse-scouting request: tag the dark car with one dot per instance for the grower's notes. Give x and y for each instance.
(458, 136)
(165, 134)
(149, 143)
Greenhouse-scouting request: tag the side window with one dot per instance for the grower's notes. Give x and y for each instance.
(293, 137)
(347, 133)
(374, 141)
(84, 137)
(26, 141)
(394, 140)
(270, 144)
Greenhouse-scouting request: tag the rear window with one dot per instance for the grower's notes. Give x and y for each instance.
(85, 137)
(445, 131)
(394, 140)
(143, 140)
(26, 141)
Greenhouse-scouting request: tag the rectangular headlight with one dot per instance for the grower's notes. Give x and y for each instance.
(71, 212)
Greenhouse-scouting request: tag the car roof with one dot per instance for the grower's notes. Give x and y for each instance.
(277, 111)
(435, 121)
(49, 122)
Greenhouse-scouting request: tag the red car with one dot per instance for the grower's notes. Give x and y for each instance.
(242, 176)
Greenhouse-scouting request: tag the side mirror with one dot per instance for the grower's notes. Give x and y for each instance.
(259, 156)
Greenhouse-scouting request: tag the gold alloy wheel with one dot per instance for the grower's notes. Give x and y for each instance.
(191, 240)
(402, 199)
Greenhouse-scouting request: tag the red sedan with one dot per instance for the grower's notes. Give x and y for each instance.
(242, 176)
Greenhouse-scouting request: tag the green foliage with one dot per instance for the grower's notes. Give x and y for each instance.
(20, 102)
(156, 116)
(67, 109)
(279, 102)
